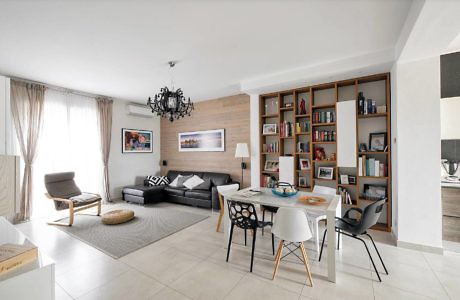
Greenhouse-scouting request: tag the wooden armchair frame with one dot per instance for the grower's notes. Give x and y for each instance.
(73, 210)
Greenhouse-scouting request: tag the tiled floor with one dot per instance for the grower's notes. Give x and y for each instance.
(191, 265)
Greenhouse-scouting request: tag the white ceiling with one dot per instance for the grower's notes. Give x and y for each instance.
(121, 48)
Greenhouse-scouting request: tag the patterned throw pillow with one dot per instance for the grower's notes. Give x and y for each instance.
(156, 180)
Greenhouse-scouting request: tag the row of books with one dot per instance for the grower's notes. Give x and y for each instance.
(267, 181)
(323, 117)
(286, 129)
(371, 167)
(303, 147)
(345, 195)
(302, 127)
(271, 147)
(324, 136)
(367, 107)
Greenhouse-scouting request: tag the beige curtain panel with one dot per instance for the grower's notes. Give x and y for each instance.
(104, 118)
(27, 104)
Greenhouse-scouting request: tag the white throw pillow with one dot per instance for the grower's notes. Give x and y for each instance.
(193, 182)
(174, 182)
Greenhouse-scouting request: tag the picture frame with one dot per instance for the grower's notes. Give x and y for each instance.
(377, 141)
(326, 172)
(304, 164)
(351, 179)
(270, 128)
(302, 181)
(344, 179)
(375, 191)
(271, 165)
(136, 141)
(202, 141)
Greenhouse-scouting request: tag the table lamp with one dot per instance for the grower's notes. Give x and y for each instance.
(242, 151)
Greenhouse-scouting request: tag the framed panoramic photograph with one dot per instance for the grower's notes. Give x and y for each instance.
(136, 141)
(377, 141)
(207, 140)
(325, 172)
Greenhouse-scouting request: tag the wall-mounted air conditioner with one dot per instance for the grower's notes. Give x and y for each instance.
(139, 110)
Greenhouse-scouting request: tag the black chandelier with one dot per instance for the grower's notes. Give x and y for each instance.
(171, 103)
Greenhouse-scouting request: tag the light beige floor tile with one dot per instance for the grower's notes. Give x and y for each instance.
(449, 263)
(251, 288)
(167, 266)
(451, 284)
(60, 294)
(169, 294)
(130, 285)
(385, 292)
(413, 279)
(87, 277)
(207, 281)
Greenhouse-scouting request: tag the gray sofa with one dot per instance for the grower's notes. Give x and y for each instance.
(206, 196)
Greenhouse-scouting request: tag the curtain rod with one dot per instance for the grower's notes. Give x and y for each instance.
(58, 88)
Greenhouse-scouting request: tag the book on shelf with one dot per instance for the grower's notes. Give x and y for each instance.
(367, 107)
(287, 129)
(345, 196)
(302, 127)
(323, 117)
(303, 147)
(324, 136)
(13, 256)
(270, 147)
(371, 167)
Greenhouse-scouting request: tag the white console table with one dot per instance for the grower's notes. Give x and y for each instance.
(34, 280)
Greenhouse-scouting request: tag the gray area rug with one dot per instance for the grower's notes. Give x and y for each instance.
(150, 224)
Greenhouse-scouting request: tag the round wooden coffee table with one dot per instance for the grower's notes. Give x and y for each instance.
(117, 216)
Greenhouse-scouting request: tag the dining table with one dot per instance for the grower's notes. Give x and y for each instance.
(331, 207)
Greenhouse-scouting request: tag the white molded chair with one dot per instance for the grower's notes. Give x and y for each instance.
(313, 218)
(222, 190)
(291, 225)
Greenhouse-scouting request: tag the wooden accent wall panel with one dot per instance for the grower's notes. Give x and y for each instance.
(230, 113)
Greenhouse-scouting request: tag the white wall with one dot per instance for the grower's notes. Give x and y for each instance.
(416, 97)
(450, 121)
(130, 168)
(6, 126)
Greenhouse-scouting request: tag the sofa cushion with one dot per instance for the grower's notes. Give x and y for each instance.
(182, 180)
(175, 191)
(193, 182)
(61, 185)
(197, 194)
(205, 186)
(156, 180)
(217, 178)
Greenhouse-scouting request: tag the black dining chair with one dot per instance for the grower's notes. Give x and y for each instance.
(355, 228)
(271, 209)
(244, 216)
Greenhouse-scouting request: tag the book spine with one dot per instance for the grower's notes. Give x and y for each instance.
(377, 168)
(360, 166)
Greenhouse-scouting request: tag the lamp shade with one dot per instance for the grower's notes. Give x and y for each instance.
(242, 150)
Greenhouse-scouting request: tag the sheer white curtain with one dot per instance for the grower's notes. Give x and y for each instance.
(69, 142)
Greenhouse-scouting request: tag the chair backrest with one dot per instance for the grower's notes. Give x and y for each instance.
(319, 189)
(242, 215)
(227, 189)
(61, 185)
(291, 224)
(371, 214)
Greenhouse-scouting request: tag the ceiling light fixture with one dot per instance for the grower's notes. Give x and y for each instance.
(169, 102)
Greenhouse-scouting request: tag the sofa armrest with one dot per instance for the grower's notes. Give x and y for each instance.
(215, 195)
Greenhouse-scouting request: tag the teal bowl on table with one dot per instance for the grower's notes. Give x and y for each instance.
(284, 193)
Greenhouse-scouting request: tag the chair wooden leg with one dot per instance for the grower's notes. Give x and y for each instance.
(71, 215)
(221, 214)
(279, 252)
(99, 206)
(305, 261)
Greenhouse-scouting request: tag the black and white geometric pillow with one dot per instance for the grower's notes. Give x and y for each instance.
(156, 180)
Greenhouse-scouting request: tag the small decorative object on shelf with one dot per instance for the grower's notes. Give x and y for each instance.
(369, 106)
(284, 189)
(303, 109)
(333, 157)
(304, 164)
(361, 103)
(381, 109)
(344, 179)
(377, 141)
(288, 105)
(303, 147)
(326, 172)
(319, 154)
(270, 129)
(302, 127)
(351, 179)
(302, 181)
(362, 147)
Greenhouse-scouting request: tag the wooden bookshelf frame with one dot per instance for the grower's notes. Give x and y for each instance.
(333, 87)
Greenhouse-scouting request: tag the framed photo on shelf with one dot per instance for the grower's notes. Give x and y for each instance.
(136, 141)
(326, 172)
(270, 128)
(271, 165)
(377, 141)
(304, 163)
(302, 181)
(207, 140)
(351, 179)
(375, 192)
(344, 179)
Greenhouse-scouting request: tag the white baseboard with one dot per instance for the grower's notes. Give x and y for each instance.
(419, 247)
